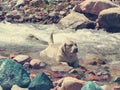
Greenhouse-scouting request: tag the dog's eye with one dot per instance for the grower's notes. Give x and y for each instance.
(70, 45)
(75, 44)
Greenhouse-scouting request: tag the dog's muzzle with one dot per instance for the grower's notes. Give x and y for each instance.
(75, 50)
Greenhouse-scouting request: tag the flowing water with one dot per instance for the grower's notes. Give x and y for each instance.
(32, 38)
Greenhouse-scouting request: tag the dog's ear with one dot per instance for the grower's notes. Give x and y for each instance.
(63, 48)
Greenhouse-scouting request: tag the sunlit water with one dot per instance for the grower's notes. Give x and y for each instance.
(15, 37)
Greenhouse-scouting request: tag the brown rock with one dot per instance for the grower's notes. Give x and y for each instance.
(36, 64)
(107, 87)
(95, 6)
(70, 83)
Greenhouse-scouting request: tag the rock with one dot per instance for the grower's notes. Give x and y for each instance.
(59, 7)
(36, 64)
(36, 3)
(91, 86)
(41, 82)
(106, 16)
(14, 16)
(95, 6)
(117, 80)
(16, 87)
(107, 87)
(22, 58)
(70, 83)
(12, 73)
(76, 21)
(93, 59)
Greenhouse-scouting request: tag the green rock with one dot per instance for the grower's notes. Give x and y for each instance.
(41, 82)
(91, 86)
(12, 73)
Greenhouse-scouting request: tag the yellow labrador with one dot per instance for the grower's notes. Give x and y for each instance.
(66, 52)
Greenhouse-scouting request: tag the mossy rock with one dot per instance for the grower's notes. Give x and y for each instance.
(41, 82)
(12, 73)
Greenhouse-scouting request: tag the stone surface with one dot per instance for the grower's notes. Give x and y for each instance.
(95, 6)
(41, 82)
(12, 73)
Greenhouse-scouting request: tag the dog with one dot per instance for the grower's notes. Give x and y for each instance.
(63, 53)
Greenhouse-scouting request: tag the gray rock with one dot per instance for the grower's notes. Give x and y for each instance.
(12, 73)
(76, 21)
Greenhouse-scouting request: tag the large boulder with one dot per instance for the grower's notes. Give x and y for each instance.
(41, 82)
(75, 20)
(12, 73)
(109, 18)
(95, 6)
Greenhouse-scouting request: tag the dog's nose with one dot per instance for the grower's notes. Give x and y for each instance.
(75, 50)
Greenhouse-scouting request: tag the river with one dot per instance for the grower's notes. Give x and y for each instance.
(16, 37)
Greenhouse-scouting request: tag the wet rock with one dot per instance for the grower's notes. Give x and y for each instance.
(91, 86)
(22, 58)
(41, 82)
(69, 83)
(36, 64)
(12, 73)
(95, 6)
(16, 87)
(106, 16)
(76, 21)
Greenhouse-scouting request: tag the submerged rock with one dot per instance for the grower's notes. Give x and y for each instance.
(41, 82)
(12, 73)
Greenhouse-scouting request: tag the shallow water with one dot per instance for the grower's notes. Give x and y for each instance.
(15, 37)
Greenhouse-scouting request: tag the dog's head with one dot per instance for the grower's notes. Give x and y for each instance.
(70, 47)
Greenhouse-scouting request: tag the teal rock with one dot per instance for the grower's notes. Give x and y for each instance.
(91, 86)
(41, 82)
(117, 80)
(12, 73)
